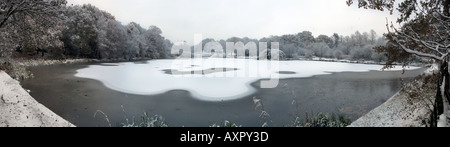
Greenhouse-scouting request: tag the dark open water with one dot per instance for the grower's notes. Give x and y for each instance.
(77, 99)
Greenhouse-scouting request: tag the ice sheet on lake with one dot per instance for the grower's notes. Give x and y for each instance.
(211, 79)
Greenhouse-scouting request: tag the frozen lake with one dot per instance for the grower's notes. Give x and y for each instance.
(213, 79)
(189, 94)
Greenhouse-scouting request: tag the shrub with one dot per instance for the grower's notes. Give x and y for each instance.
(15, 70)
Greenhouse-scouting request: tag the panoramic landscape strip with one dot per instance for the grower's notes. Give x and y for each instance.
(85, 63)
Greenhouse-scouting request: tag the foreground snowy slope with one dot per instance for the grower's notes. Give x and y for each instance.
(403, 111)
(19, 109)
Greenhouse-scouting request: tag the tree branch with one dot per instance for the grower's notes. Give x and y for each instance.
(421, 54)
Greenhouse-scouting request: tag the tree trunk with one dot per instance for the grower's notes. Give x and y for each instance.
(446, 7)
(447, 82)
(442, 92)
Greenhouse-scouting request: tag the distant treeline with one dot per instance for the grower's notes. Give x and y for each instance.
(87, 32)
(357, 46)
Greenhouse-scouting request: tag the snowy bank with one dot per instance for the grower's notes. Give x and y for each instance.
(410, 107)
(19, 109)
(396, 112)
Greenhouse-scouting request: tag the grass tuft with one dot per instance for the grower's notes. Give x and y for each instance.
(225, 124)
(148, 121)
(322, 120)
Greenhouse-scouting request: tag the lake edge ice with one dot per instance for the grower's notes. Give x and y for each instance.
(133, 78)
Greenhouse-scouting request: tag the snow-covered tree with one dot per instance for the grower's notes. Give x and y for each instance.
(26, 25)
(325, 39)
(306, 38)
(147, 43)
(10, 9)
(305, 52)
(80, 33)
(358, 39)
(337, 54)
(336, 39)
(156, 44)
(320, 49)
(33, 26)
(136, 40)
(362, 53)
(372, 37)
(291, 50)
(424, 32)
(112, 40)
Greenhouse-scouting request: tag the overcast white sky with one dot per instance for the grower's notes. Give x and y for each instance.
(222, 19)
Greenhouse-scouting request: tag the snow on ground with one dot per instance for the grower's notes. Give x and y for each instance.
(19, 109)
(396, 112)
(209, 82)
(402, 111)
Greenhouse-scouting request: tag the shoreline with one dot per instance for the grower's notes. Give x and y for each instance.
(187, 94)
(83, 97)
(18, 108)
(401, 110)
